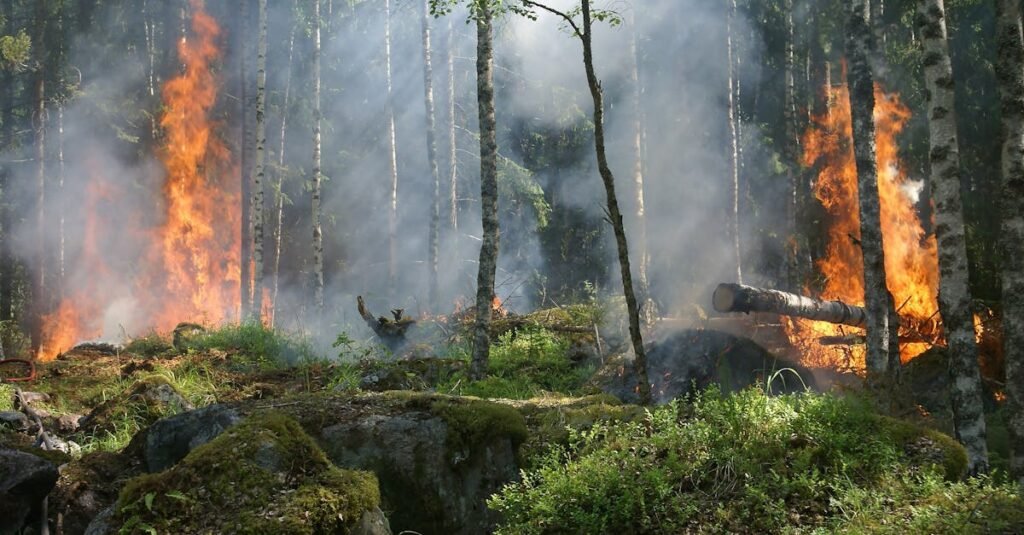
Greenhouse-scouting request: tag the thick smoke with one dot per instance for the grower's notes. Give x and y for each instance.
(111, 165)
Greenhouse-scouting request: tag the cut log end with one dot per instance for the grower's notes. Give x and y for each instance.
(724, 298)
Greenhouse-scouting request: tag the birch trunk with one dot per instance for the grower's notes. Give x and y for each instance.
(453, 167)
(954, 292)
(318, 242)
(435, 207)
(1011, 94)
(734, 157)
(245, 166)
(39, 299)
(488, 190)
(647, 309)
(278, 190)
(859, 46)
(259, 174)
(389, 118)
(790, 151)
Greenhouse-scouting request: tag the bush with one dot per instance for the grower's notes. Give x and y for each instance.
(523, 364)
(741, 463)
(266, 347)
(151, 345)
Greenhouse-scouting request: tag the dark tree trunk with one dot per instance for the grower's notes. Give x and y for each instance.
(1011, 95)
(859, 47)
(40, 303)
(488, 190)
(613, 209)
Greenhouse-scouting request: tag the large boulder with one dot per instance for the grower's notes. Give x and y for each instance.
(264, 475)
(87, 486)
(438, 458)
(697, 358)
(169, 440)
(25, 480)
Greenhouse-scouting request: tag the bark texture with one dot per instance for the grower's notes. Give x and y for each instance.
(859, 47)
(790, 151)
(954, 293)
(1011, 94)
(488, 190)
(435, 207)
(740, 298)
(318, 239)
(39, 297)
(260, 168)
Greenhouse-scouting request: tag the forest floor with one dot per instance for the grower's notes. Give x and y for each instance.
(540, 446)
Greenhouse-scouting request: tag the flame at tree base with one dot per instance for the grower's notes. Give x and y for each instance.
(911, 259)
(190, 267)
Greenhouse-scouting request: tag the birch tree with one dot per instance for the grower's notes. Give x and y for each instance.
(859, 47)
(734, 156)
(245, 163)
(318, 241)
(39, 279)
(259, 173)
(389, 118)
(453, 167)
(279, 188)
(647, 308)
(435, 207)
(1010, 78)
(954, 292)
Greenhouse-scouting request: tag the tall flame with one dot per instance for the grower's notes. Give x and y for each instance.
(911, 261)
(195, 252)
(191, 269)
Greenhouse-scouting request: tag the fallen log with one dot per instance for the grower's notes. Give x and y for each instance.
(739, 298)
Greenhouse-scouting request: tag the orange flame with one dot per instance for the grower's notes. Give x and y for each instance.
(911, 260)
(195, 252)
(191, 270)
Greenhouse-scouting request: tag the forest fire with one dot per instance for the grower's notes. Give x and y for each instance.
(191, 268)
(911, 261)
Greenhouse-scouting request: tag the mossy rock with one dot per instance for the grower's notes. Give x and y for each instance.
(407, 374)
(146, 402)
(925, 446)
(265, 475)
(87, 486)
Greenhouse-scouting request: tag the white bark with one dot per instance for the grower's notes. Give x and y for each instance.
(318, 241)
(260, 168)
(954, 293)
(389, 118)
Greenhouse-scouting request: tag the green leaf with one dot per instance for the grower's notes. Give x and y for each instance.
(149, 501)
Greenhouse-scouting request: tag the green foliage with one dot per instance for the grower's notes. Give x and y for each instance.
(524, 363)
(266, 471)
(6, 397)
(742, 463)
(150, 345)
(15, 50)
(262, 346)
(474, 422)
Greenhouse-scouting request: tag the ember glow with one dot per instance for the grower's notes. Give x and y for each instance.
(190, 270)
(911, 261)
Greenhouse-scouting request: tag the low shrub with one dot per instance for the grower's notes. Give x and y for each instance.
(749, 463)
(263, 346)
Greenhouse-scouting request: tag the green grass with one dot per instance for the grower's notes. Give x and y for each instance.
(255, 343)
(753, 463)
